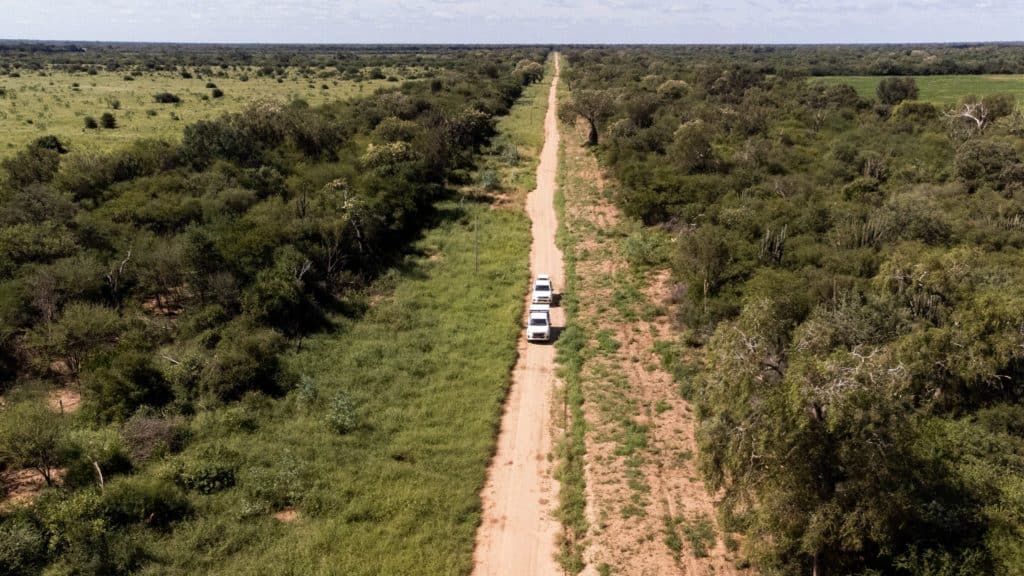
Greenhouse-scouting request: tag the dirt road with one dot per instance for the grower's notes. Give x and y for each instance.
(518, 531)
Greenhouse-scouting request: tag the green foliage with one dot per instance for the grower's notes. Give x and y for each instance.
(82, 331)
(130, 381)
(341, 413)
(176, 282)
(245, 359)
(895, 90)
(152, 501)
(208, 471)
(22, 546)
(32, 436)
(847, 268)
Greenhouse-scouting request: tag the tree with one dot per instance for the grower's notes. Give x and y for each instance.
(34, 164)
(977, 113)
(82, 329)
(703, 257)
(32, 436)
(594, 106)
(91, 123)
(894, 90)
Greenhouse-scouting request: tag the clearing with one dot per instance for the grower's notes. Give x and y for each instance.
(939, 90)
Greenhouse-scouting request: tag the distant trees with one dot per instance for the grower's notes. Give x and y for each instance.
(893, 90)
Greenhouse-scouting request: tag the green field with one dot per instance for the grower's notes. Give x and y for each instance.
(939, 89)
(35, 105)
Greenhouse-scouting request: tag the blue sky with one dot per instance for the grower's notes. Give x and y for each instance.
(512, 21)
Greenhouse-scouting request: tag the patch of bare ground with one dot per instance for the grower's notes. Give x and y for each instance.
(287, 515)
(645, 499)
(65, 400)
(19, 488)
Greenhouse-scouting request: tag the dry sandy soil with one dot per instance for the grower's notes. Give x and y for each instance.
(643, 488)
(518, 530)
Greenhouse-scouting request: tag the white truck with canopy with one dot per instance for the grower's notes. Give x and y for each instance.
(543, 292)
(538, 323)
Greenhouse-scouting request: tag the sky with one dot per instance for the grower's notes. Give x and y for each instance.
(515, 21)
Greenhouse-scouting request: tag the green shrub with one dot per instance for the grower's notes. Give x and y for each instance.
(130, 381)
(246, 358)
(108, 121)
(22, 547)
(272, 487)
(154, 501)
(91, 123)
(341, 413)
(490, 180)
(209, 471)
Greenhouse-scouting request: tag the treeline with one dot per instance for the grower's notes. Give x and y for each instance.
(830, 59)
(167, 280)
(217, 60)
(851, 269)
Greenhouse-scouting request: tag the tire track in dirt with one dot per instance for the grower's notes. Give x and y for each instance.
(518, 530)
(643, 487)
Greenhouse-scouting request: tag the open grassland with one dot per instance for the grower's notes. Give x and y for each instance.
(34, 105)
(940, 89)
(422, 375)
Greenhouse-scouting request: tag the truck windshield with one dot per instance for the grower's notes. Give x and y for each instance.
(538, 322)
(542, 287)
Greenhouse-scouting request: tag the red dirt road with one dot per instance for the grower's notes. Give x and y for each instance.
(518, 530)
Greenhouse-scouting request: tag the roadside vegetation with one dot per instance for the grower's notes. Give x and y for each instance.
(262, 324)
(846, 265)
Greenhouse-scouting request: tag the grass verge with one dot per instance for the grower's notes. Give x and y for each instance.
(571, 448)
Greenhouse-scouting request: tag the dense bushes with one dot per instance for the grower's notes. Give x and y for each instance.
(847, 269)
(166, 282)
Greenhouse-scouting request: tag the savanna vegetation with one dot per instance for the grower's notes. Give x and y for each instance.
(849, 265)
(262, 318)
(154, 91)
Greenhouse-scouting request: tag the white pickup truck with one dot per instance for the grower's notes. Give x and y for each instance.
(543, 293)
(538, 323)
